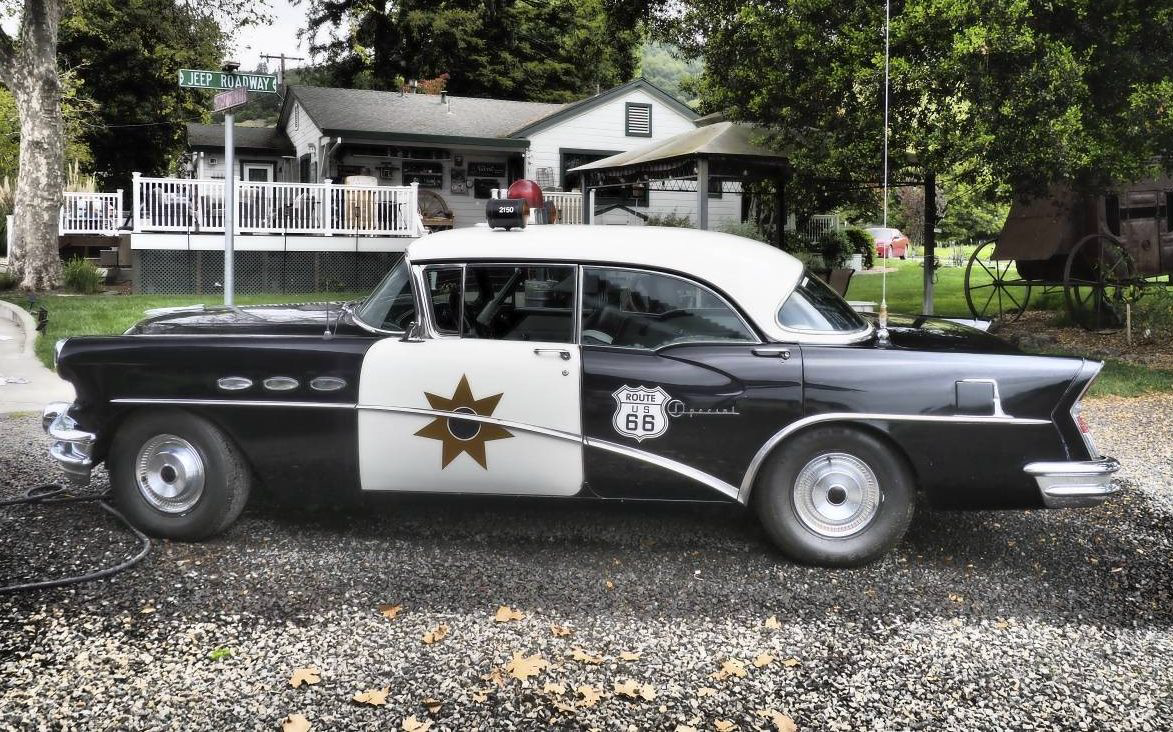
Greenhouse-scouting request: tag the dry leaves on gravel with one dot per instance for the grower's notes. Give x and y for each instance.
(433, 705)
(781, 722)
(301, 676)
(296, 723)
(373, 697)
(411, 724)
(506, 614)
(628, 656)
(772, 623)
(791, 662)
(435, 635)
(588, 696)
(559, 631)
(554, 688)
(731, 667)
(723, 725)
(762, 660)
(632, 690)
(390, 611)
(522, 667)
(582, 656)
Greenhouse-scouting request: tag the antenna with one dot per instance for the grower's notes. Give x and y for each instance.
(883, 319)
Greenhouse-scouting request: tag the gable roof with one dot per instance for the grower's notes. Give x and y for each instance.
(576, 108)
(262, 139)
(365, 112)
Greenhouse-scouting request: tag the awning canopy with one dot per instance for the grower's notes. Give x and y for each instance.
(733, 151)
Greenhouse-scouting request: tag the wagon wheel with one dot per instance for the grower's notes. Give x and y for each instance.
(1099, 279)
(993, 288)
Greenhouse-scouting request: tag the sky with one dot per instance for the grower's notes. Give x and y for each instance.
(278, 37)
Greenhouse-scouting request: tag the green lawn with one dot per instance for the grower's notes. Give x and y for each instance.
(71, 315)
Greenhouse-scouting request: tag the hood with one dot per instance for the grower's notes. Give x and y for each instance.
(924, 333)
(293, 319)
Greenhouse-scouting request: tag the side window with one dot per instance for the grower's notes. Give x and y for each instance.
(444, 295)
(519, 303)
(391, 306)
(647, 310)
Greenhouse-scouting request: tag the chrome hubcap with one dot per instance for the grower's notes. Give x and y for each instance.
(836, 495)
(170, 473)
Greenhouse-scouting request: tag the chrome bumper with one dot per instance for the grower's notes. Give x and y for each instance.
(1075, 484)
(71, 447)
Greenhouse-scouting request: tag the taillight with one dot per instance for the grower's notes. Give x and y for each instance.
(1085, 429)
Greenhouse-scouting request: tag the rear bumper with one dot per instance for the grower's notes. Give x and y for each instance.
(1075, 484)
(71, 447)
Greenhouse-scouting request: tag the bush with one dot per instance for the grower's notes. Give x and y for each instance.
(861, 243)
(1154, 313)
(747, 229)
(835, 247)
(82, 276)
(669, 219)
(8, 280)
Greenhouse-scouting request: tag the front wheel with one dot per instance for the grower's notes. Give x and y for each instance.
(836, 497)
(177, 476)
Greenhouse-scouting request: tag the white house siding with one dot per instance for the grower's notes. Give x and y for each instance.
(602, 128)
(210, 164)
(305, 136)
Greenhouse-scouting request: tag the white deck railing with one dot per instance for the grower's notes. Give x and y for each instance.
(90, 213)
(324, 209)
(568, 203)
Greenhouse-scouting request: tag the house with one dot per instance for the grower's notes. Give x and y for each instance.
(262, 153)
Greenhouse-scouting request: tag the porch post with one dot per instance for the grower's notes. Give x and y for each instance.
(136, 200)
(327, 208)
(702, 193)
(586, 198)
(930, 240)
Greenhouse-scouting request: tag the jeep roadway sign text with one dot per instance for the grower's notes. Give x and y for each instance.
(221, 81)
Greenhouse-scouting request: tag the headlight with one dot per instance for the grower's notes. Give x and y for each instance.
(57, 351)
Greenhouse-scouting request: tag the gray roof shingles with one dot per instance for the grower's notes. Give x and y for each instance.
(245, 138)
(384, 112)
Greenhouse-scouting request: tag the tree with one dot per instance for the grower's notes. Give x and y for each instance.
(556, 51)
(1007, 97)
(665, 66)
(128, 54)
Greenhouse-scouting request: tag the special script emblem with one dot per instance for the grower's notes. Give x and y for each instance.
(641, 412)
(463, 435)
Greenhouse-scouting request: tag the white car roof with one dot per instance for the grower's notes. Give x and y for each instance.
(758, 277)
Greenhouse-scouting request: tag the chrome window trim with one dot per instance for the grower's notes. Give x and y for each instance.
(763, 452)
(819, 337)
(757, 341)
(725, 489)
(235, 403)
(382, 331)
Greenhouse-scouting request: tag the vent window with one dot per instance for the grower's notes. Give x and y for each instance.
(639, 120)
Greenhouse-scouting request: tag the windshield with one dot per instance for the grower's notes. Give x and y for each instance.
(391, 305)
(815, 307)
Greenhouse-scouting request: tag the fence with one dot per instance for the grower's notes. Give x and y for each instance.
(568, 203)
(90, 213)
(324, 209)
(202, 272)
(820, 224)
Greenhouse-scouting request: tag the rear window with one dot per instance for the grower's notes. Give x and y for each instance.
(815, 307)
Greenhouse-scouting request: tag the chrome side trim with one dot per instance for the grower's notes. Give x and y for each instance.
(327, 383)
(281, 383)
(1075, 484)
(234, 383)
(668, 464)
(760, 457)
(506, 423)
(234, 403)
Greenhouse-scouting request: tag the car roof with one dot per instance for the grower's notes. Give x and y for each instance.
(758, 277)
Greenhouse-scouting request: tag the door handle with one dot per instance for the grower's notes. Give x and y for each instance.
(562, 353)
(782, 353)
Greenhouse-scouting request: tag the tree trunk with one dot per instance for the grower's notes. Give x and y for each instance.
(36, 88)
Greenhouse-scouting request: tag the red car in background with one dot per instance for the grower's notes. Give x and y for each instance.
(889, 242)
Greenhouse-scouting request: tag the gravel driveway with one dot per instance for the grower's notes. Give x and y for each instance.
(1015, 620)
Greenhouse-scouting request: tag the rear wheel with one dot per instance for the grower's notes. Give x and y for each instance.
(835, 496)
(177, 476)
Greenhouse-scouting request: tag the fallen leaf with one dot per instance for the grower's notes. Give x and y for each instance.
(731, 667)
(390, 611)
(685, 728)
(433, 705)
(554, 688)
(295, 723)
(147, 609)
(781, 722)
(411, 724)
(956, 598)
(304, 676)
(763, 660)
(589, 696)
(628, 656)
(495, 675)
(632, 690)
(609, 584)
(723, 725)
(772, 622)
(374, 697)
(480, 696)
(1001, 625)
(579, 654)
(564, 707)
(559, 631)
(505, 614)
(523, 667)
(705, 691)
(435, 635)
(791, 662)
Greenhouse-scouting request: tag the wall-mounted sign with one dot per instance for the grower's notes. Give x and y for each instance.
(457, 182)
(483, 187)
(487, 170)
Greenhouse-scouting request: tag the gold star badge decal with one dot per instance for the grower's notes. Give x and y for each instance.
(463, 435)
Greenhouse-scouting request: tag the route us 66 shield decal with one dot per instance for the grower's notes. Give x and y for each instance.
(640, 412)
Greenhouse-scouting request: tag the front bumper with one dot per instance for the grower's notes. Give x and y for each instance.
(1075, 484)
(71, 448)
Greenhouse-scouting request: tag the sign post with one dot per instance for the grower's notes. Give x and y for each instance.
(234, 90)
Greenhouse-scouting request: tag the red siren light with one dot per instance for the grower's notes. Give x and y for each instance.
(527, 190)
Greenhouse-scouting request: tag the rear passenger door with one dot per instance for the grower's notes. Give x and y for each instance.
(678, 390)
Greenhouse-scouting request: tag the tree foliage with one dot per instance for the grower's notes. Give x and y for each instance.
(554, 51)
(665, 66)
(1007, 96)
(128, 54)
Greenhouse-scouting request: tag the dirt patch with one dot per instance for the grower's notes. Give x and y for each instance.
(1047, 330)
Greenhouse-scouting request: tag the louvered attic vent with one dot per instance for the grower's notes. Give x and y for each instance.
(639, 120)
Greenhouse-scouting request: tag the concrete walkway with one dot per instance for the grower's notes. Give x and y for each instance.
(25, 385)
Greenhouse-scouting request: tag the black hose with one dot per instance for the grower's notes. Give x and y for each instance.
(57, 493)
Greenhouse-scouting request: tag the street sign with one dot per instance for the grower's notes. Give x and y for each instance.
(219, 80)
(229, 99)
